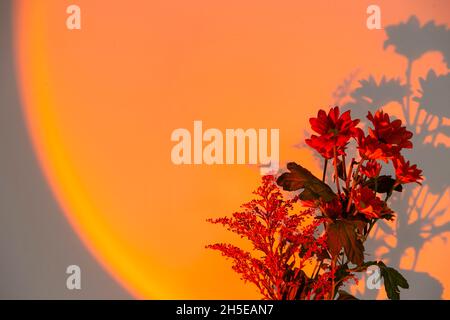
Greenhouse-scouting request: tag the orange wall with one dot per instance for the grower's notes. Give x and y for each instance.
(102, 102)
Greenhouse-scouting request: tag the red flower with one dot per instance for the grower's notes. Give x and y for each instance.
(334, 129)
(372, 169)
(282, 243)
(405, 172)
(372, 149)
(322, 286)
(391, 133)
(369, 204)
(323, 146)
(331, 209)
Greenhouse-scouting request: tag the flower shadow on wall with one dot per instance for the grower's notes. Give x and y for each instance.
(424, 109)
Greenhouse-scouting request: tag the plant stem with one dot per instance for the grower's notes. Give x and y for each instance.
(315, 269)
(318, 269)
(349, 174)
(336, 174)
(353, 185)
(344, 167)
(325, 170)
(333, 266)
(371, 224)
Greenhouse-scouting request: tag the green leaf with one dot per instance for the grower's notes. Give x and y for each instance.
(342, 234)
(383, 184)
(308, 194)
(344, 295)
(392, 281)
(301, 178)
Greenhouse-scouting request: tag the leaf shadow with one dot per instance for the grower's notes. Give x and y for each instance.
(421, 212)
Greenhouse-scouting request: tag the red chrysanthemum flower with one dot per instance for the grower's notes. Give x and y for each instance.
(331, 209)
(372, 169)
(405, 172)
(372, 149)
(369, 204)
(334, 129)
(391, 133)
(324, 147)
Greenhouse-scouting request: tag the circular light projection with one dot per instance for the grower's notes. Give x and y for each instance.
(102, 102)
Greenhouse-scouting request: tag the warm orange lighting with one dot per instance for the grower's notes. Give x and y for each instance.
(101, 104)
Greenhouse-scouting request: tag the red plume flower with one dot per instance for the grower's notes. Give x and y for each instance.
(405, 172)
(334, 129)
(283, 244)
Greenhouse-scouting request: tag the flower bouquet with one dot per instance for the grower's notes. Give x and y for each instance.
(311, 245)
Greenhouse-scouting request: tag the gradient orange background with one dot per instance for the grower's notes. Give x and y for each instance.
(102, 102)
